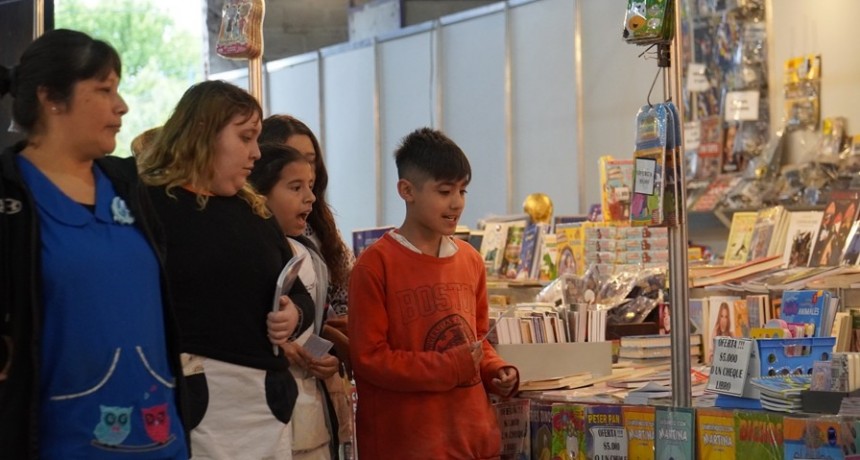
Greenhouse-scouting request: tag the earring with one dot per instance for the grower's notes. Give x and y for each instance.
(54, 108)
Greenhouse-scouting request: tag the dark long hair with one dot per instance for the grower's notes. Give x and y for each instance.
(279, 128)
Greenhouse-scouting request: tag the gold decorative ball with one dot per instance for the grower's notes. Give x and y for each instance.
(539, 208)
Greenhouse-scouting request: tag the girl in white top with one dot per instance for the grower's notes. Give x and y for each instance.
(286, 179)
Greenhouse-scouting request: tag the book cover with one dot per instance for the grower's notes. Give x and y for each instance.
(742, 319)
(639, 423)
(540, 429)
(674, 433)
(800, 237)
(605, 436)
(720, 317)
(568, 431)
(513, 418)
(714, 192)
(363, 238)
(547, 257)
(851, 253)
(513, 246)
(616, 185)
(697, 318)
(570, 244)
(806, 307)
(839, 215)
(528, 249)
(758, 434)
(740, 236)
(494, 244)
(715, 433)
(763, 231)
(819, 437)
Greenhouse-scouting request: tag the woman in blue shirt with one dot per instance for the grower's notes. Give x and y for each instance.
(87, 363)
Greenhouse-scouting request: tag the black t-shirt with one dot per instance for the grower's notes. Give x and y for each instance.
(222, 265)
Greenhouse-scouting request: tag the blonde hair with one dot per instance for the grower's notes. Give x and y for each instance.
(182, 152)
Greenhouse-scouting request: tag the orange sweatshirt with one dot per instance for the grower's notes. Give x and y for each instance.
(411, 318)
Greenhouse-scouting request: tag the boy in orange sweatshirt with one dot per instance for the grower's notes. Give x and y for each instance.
(418, 319)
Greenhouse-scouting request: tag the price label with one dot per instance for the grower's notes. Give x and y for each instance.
(609, 442)
(646, 169)
(742, 105)
(729, 367)
(697, 79)
(692, 135)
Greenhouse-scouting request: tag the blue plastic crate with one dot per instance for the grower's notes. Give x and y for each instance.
(793, 356)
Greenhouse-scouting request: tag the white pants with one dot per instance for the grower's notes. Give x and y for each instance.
(238, 423)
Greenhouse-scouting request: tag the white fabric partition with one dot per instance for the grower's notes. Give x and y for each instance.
(349, 136)
(473, 107)
(293, 88)
(544, 104)
(405, 104)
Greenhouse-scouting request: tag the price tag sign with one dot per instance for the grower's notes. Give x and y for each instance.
(697, 79)
(729, 367)
(609, 442)
(742, 105)
(645, 170)
(692, 135)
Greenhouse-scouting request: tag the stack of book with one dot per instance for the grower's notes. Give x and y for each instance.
(652, 350)
(781, 393)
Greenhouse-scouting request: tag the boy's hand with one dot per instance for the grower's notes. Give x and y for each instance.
(339, 323)
(506, 380)
(281, 324)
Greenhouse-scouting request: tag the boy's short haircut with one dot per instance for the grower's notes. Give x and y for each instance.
(428, 154)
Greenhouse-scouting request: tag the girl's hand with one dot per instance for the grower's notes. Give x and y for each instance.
(324, 367)
(281, 324)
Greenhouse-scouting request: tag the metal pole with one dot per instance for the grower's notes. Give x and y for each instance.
(255, 78)
(38, 18)
(679, 282)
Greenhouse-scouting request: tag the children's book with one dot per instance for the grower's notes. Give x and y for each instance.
(513, 247)
(547, 270)
(675, 433)
(639, 423)
(568, 431)
(528, 250)
(740, 236)
(605, 436)
(513, 418)
(839, 215)
(809, 308)
(646, 206)
(540, 429)
(741, 319)
(800, 237)
(570, 244)
(715, 434)
(363, 238)
(494, 244)
(758, 434)
(763, 232)
(817, 438)
(616, 185)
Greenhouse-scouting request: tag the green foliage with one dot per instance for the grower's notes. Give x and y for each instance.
(159, 60)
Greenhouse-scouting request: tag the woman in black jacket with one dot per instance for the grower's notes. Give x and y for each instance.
(88, 359)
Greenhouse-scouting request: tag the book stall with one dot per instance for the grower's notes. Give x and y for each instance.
(756, 354)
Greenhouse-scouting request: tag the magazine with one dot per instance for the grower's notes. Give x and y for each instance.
(285, 282)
